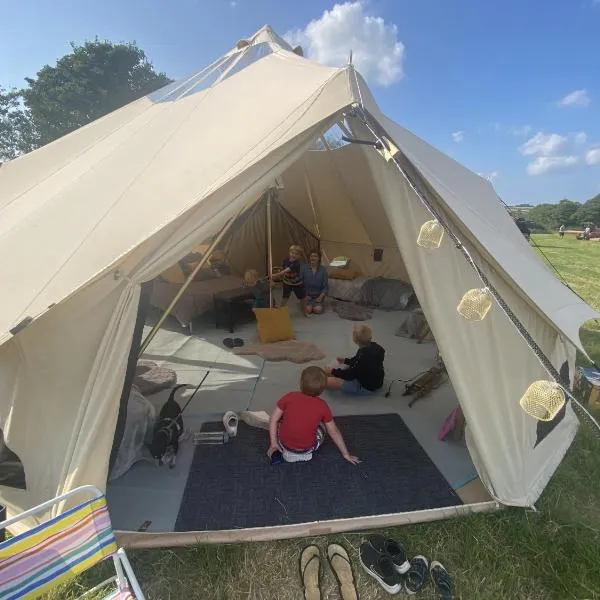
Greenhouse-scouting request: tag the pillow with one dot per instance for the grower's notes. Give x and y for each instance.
(338, 273)
(343, 262)
(274, 324)
(173, 274)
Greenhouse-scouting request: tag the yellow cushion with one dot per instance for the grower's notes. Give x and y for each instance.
(274, 325)
(342, 273)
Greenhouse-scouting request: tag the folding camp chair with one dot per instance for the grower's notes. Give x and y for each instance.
(63, 547)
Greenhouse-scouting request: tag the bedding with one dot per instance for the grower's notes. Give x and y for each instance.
(348, 290)
(197, 299)
(377, 292)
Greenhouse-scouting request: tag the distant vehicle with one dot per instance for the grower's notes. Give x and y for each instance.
(592, 235)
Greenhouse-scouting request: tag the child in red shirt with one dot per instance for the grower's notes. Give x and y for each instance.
(298, 423)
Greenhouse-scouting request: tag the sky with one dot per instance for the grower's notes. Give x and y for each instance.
(509, 89)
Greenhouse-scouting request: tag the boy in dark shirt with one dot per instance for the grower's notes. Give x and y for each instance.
(290, 275)
(363, 373)
(259, 286)
(298, 423)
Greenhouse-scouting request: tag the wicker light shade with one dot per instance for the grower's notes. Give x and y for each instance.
(475, 304)
(543, 400)
(430, 235)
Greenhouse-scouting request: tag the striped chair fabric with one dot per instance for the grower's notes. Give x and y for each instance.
(56, 551)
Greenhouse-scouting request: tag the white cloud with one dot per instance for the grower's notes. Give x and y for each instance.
(458, 136)
(489, 176)
(544, 164)
(516, 130)
(576, 98)
(592, 157)
(233, 3)
(543, 144)
(580, 138)
(377, 53)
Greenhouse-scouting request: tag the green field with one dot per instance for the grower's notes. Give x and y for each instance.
(513, 554)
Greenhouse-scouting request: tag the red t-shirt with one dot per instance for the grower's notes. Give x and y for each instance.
(301, 417)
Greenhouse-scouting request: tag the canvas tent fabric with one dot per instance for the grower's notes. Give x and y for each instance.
(86, 220)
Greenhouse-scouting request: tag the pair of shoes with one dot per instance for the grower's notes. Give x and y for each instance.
(233, 342)
(311, 572)
(418, 574)
(385, 560)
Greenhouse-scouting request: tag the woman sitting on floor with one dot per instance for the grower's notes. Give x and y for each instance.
(315, 280)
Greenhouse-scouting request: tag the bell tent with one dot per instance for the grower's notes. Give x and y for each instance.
(91, 221)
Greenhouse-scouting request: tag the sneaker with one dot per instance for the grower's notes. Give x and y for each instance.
(393, 549)
(416, 577)
(442, 581)
(381, 568)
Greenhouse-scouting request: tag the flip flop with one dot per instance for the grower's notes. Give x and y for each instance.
(342, 569)
(238, 342)
(228, 342)
(310, 572)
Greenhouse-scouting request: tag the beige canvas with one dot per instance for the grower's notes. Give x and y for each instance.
(87, 219)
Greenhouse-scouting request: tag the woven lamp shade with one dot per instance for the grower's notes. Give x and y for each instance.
(475, 304)
(543, 400)
(430, 235)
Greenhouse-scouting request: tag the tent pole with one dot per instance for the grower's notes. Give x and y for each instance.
(189, 280)
(269, 245)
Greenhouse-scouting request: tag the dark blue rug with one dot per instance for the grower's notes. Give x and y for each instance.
(234, 486)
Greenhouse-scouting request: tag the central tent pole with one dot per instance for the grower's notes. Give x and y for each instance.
(270, 193)
(184, 287)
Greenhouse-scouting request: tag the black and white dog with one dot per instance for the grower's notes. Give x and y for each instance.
(167, 431)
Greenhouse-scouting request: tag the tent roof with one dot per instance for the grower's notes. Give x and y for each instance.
(74, 208)
(70, 210)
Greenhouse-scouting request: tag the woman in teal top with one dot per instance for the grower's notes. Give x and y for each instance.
(315, 281)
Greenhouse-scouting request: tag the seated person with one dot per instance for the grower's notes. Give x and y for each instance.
(259, 286)
(315, 280)
(363, 373)
(298, 423)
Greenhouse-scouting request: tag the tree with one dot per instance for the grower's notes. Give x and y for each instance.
(93, 80)
(565, 212)
(544, 215)
(17, 133)
(589, 212)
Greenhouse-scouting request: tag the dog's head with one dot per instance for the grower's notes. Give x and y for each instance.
(160, 445)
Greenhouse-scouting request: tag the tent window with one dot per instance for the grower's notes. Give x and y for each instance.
(251, 55)
(210, 78)
(333, 139)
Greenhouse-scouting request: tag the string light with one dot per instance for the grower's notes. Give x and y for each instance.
(431, 234)
(543, 400)
(475, 304)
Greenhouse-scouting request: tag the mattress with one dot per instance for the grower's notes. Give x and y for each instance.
(197, 299)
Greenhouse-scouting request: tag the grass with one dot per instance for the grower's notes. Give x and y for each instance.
(513, 554)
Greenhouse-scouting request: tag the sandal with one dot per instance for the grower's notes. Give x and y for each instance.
(228, 342)
(342, 569)
(417, 576)
(310, 572)
(442, 581)
(238, 342)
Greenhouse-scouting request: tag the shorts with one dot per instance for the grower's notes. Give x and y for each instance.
(354, 388)
(297, 289)
(292, 456)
